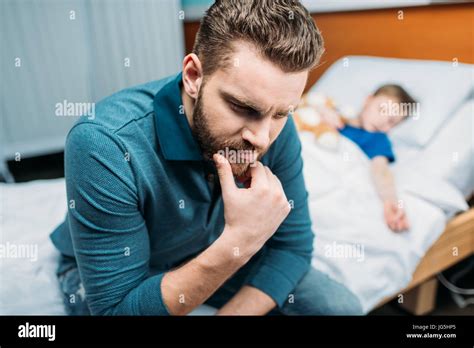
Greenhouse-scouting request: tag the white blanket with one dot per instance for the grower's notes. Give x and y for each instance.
(353, 245)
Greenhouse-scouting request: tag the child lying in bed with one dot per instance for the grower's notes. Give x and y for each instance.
(383, 110)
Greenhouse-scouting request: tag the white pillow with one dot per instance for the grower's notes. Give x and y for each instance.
(439, 87)
(450, 154)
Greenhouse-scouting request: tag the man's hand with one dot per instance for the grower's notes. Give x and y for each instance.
(251, 215)
(395, 216)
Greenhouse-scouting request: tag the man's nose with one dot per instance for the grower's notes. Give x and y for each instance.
(258, 133)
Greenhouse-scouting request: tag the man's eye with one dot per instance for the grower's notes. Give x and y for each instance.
(243, 110)
(280, 116)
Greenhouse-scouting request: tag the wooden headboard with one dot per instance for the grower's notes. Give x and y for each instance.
(438, 32)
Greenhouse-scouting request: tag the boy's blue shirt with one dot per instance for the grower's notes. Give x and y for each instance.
(373, 144)
(142, 200)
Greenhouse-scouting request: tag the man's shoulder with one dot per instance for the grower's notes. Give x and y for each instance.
(123, 107)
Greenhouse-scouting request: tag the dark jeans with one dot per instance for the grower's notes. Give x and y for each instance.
(315, 294)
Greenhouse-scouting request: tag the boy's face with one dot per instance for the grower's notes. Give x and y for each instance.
(245, 106)
(380, 113)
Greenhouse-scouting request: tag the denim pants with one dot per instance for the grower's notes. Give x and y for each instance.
(315, 294)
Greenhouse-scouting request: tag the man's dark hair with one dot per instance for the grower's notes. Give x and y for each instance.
(282, 31)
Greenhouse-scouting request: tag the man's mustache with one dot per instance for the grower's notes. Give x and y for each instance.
(240, 147)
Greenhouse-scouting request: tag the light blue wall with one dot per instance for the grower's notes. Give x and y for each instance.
(79, 58)
(194, 9)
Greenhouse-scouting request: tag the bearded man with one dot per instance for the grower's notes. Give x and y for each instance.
(160, 221)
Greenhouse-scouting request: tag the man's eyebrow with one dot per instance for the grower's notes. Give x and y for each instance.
(241, 102)
(248, 104)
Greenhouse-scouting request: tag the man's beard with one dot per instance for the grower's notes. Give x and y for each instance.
(210, 144)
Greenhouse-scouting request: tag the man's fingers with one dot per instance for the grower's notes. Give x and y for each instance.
(278, 183)
(269, 174)
(259, 175)
(275, 181)
(224, 170)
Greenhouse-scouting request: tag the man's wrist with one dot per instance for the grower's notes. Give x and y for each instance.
(202, 276)
(224, 254)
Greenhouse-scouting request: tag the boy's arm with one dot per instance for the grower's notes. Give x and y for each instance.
(383, 179)
(385, 185)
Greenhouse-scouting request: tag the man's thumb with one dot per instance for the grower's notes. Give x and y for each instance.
(224, 170)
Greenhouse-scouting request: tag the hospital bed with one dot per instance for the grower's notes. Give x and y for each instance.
(435, 190)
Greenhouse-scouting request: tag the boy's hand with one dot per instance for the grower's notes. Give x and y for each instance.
(331, 117)
(395, 217)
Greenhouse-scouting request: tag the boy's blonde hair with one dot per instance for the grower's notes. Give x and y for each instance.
(397, 92)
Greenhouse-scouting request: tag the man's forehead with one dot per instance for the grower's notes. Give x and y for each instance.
(254, 78)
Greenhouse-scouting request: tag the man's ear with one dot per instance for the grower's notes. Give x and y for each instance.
(192, 75)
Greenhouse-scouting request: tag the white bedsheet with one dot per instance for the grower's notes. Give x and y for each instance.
(353, 245)
(28, 214)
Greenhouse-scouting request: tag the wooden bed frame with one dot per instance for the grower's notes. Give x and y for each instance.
(434, 32)
(455, 244)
